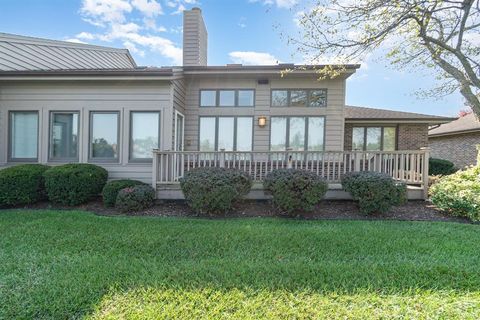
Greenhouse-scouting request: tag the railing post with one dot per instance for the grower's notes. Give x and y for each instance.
(426, 157)
(478, 154)
(356, 157)
(154, 169)
(289, 158)
(222, 158)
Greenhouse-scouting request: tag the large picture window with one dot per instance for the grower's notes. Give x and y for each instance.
(374, 138)
(297, 133)
(229, 133)
(23, 136)
(104, 136)
(299, 98)
(144, 134)
(227, 98)
(64, 136)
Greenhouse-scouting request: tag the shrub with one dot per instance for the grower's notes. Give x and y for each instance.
(214, 190)
(22, 184)
(295, 190)
(459, 193)
(135, 198)
(111, 189)
(74, 184)
(374, 191)
(440, 167)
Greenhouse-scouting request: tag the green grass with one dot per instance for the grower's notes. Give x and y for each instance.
(56, 264)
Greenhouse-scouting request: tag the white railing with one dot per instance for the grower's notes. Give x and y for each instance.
(407, 166)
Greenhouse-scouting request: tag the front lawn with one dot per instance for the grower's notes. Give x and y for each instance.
(66, 264)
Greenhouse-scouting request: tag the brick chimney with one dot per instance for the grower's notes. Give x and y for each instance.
(195, 38)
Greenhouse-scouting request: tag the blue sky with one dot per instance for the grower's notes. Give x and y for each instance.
(240, 31)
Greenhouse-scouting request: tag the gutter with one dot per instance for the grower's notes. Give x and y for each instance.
(452, 133)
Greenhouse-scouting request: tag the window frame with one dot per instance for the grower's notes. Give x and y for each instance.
(287, 133)
(10, 136)
(235, 131)
(382, 129)
(175, 145)
(130, 137)
(217, 98)
(90, 136)
(50, 136)
(289, 95)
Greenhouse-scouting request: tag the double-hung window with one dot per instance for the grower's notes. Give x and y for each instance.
(104, 136)
(23, 142)
(297, 133)
(144, 134)
(299, 98)
(229, 133)
(64, 135)
(374, 138)
(227, 98)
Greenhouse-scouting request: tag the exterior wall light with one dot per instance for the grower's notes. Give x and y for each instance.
(262, 121)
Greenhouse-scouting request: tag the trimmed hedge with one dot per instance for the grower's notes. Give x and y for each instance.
(111, 189)
(22, 184)
(459, 193)
(136, 198)
(374, 191)
(214, 190)
(441, 167)
(74, 184)
(295, 190)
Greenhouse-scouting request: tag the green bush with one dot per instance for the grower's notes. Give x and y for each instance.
(22, 184)
(459, 193)
(111, 189)
(295, 190)
(74, 184)
(136, 198)
(214, 190)
(374, 191)
(441, 167)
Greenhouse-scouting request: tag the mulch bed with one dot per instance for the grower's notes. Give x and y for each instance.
(328, 210)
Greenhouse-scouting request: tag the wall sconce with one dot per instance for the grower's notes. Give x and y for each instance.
(262, 121)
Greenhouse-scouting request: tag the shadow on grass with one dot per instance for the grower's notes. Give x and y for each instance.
(69, 264)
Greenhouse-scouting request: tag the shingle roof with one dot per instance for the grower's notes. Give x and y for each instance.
(364, 113)
(20, 53)
(466, 123)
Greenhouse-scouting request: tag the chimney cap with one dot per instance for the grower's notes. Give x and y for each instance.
(196, 9)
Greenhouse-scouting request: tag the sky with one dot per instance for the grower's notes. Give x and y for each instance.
(239, 31)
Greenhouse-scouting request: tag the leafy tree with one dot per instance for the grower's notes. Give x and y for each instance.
(440, 34)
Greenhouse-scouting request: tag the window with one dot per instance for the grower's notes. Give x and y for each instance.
(104, 135)
(374, 138)
(229, 133)
(144, 134)
(64, 136)
(23, 136)
(297, 133)
(227, 98)
(299, 98)
(179, 131)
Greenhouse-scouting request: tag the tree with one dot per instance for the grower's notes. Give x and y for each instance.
(443, 35)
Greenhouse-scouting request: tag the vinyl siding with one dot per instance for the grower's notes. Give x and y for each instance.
(85, 97)
(178, 97)
(334, 112)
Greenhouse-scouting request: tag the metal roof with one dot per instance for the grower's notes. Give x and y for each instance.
(363, 113)
(20, 53)
(467, 123)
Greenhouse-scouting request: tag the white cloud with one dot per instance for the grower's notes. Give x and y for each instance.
(252, 58)
(85, 35)
(74, 40)
(179, 10)
(151, 24)
(241, 22)
(100, 11)
(285, 4)
(133, 48)
(150, 8)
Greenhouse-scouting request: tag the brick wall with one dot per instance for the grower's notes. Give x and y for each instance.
(409, 136)
(460, 148)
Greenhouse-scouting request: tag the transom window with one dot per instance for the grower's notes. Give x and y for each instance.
(374, 138)
(23, 142)
(229, 133)
(227, 98)
(297, 133)
(299, 98)
(64, 136)
(104, 136)
(144, 134)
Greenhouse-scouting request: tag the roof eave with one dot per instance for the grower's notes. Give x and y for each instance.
(398, 120)
(453, 133)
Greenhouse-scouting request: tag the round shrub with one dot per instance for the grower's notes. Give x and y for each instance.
(295, 190)
(459, 193)
(111, 189)
(22, 184)
(441, 167)
(374, 191)
(135, 198)
(74, 184)
(214, 190)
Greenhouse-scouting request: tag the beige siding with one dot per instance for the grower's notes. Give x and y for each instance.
(334, 113)
(178, 97)
(85, 97)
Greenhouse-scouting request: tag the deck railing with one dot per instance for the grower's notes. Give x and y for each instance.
(408, 166)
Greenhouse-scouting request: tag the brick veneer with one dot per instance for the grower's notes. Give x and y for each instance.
(409, 136)
(460, 148)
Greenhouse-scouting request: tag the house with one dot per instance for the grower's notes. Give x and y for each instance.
(64, 102)
(456, 141)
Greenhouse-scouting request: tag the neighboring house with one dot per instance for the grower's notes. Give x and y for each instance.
(63, 102)
(456, 141)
